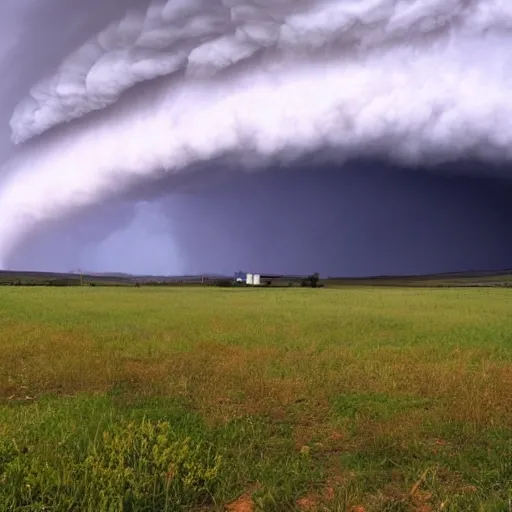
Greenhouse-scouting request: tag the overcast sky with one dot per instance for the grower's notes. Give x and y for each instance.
(196, 136)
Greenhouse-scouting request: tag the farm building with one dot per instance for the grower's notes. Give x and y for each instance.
(256, 279)
(240, 277)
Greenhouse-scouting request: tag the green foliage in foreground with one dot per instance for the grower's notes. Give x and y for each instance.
(92, 453)
(135, 466)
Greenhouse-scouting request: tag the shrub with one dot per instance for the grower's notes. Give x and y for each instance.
(311, 280)
(137, 466)
(145, 466)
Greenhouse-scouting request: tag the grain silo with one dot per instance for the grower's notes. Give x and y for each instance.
(249, 279)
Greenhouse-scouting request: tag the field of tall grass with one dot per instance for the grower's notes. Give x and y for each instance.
(138, 399)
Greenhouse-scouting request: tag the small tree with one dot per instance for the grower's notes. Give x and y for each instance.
(311, 280)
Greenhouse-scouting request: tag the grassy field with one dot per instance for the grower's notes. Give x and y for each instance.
(352, 399)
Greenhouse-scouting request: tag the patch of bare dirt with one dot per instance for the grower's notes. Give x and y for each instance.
(309, 503)
(243, 504)
(317, 502)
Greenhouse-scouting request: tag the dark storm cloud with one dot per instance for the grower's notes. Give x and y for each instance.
(116, 102)
(367, 219)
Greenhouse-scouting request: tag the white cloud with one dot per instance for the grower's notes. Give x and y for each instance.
(413, 81)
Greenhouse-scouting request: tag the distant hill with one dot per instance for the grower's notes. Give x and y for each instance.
(470, 278)
(31, 278)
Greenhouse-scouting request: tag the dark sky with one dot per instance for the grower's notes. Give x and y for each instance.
(158, 147)
(363, 220)
(366, 219)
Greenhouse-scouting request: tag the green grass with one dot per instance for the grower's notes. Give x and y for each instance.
(370, 399)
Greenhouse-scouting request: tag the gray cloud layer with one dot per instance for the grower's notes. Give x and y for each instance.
(416, 82)
(204, 37)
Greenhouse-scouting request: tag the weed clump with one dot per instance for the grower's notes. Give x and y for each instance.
(135, 466)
